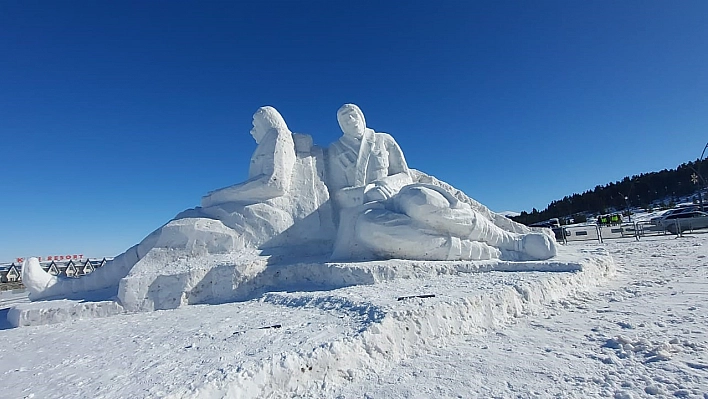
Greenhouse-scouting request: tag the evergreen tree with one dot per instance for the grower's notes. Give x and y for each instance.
(641, 190)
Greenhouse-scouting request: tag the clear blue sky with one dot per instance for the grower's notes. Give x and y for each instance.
(115, 116)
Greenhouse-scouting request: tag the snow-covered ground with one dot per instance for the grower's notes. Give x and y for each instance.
(632, 328)
(12, 297)
(642, 334)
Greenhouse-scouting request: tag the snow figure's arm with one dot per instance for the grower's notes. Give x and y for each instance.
(340, 160)
(349, 197)
(398, 173)
(271, 170)
(270, 173)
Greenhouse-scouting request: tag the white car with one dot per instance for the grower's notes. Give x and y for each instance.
(680, 222)
(676, 211)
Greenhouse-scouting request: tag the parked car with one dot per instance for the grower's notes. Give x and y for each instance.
(680, 222)
(552, 223)
(676, 211)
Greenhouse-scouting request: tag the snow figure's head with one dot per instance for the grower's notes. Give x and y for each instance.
(351, 120)
(264, 119)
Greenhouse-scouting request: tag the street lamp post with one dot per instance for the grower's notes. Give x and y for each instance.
(697, 176)
(629, 213)
(626, 204)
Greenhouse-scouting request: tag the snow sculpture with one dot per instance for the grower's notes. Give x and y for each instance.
(282, 215)
(283, 207)
(383, 214)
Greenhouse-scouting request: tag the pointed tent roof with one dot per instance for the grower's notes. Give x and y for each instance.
(53, 269)
(13, 270)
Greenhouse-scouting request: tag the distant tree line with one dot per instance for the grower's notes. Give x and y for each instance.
(646, 190)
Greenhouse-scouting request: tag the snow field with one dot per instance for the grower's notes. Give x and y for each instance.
(326, 340)
(394, 330)
(642, 334)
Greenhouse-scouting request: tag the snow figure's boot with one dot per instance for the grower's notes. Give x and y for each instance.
(539, 246)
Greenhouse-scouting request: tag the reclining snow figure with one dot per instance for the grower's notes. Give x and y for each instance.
(283, 208)
(383, 214)
(225, 249)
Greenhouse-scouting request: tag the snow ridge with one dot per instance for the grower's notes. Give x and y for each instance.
(392, 331)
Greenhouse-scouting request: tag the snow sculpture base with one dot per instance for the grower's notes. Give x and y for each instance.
(215, 279)
(327, 338)
(50, 312)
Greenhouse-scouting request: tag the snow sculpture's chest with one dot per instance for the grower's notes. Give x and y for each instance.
(378, 163)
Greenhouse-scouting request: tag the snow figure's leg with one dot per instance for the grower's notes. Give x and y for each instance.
(41, 284)
(472, 250)
(430, 208)
(393, 235)
(535, 246)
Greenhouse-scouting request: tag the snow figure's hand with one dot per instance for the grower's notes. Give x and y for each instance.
(378, 191)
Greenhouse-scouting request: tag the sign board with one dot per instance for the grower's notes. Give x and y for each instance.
(54, 258)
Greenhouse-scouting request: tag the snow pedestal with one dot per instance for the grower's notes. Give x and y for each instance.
(189, 279)
(50, 312)
(213, 279)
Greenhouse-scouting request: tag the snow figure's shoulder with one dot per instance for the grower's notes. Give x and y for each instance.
(385, 137)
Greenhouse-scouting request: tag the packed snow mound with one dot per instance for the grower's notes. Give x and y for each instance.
(59, 311)
(35, 278)
(198, 235)
(187, 236)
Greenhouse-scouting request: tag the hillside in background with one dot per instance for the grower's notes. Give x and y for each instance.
(647, 190)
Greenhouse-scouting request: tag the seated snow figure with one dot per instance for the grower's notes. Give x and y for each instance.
(270, 170)
(383, 214)
(204, 253)
(285, 184)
